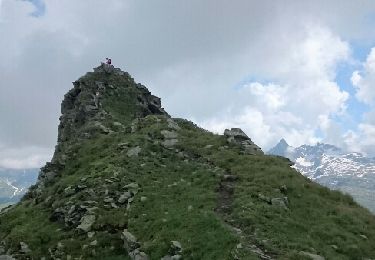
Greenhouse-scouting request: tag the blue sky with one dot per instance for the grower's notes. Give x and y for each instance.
(40, 7)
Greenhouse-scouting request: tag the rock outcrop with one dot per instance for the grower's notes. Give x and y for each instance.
(237, 136)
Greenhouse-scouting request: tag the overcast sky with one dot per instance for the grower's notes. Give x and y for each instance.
(299, 70)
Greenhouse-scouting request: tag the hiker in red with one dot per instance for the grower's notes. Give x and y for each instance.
(109, 61)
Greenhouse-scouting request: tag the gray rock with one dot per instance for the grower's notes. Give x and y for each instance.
(143, 199)
(169, 143)
(280, 202)
(237, 136)
(118, 124)
(86, 222)
(106, 68)
(124, 197)
(134, 151)
(108, 200)
(312, 256)
(130, 242)
(284, 189)
(133, 186)
(236, 133)
(264, 198)
(172, 124)
(169, 134)
(68, 191)
(175, 248)
(123, 145)
(101, 127)
(173, 257)
(6, 257)
(229, 177)
(138, 255)
(24, 248)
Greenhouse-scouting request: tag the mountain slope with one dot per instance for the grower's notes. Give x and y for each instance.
(129, 182)
(328, 165)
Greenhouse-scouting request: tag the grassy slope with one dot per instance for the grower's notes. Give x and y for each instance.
(181, 190)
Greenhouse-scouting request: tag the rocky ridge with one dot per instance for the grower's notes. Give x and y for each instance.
(127, 181)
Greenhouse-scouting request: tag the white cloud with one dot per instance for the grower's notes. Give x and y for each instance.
(364, 80)
(187, 54)
(363, 140)
(24, 157)
(305, 92)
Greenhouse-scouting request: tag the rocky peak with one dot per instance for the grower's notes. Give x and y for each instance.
(282, 148)
(101, 96)
(282, 142)
(104, 101)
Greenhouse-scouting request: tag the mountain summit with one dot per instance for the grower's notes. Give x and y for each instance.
(281, 148)
(127, 181)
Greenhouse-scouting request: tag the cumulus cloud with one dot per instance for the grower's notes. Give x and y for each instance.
(193, 54)
(24, 157)
(305, 93)
(364, 80)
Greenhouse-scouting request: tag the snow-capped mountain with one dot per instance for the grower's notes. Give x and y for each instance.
(14, 183)
(328, 165)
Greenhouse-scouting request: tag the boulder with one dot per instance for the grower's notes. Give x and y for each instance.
(130, 242)
(169, 134)
(138, 255)
(169, 143)
(24, 248)
(236, 133)
(134, 151)
(264, 198)
(172, 124)
(86, 222)
(124, 197)
(280, 202)
(176, 248)
(229, 177)
(237, 136)
(133, 186)
(312, 256)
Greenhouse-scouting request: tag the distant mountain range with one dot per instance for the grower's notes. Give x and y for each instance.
(330, 166)
(14, 183)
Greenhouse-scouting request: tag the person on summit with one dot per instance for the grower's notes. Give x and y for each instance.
(108, 61)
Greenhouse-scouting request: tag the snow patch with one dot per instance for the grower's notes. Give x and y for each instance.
(303, 162)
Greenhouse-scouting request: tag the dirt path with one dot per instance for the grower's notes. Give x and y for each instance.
(224, 209)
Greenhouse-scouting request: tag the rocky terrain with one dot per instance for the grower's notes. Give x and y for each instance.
(352, 173)
(14, 184)
(127, 181)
